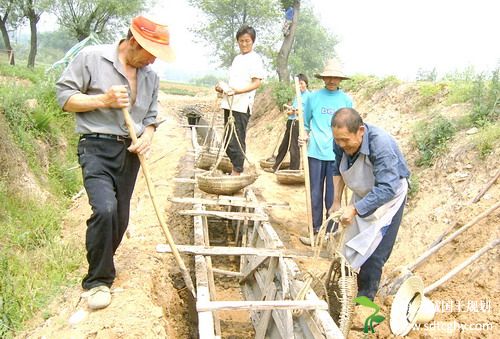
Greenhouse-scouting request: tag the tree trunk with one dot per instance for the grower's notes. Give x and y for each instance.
(6, 39)
(33, 18)
(286, 47)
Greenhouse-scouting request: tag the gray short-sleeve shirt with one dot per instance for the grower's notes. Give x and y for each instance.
(94, 71)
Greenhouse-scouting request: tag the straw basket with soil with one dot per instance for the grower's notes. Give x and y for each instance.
(207, 160)
(217, 183)
(290, 177)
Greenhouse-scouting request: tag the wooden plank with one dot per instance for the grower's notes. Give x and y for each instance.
(185, 180)
(251, 267)
(269, 282)
(228, 273)
(226, 215)
(210, 273)
(261, 329)
(222, 250)
(206, 327)
(253, 305)
(224, 202)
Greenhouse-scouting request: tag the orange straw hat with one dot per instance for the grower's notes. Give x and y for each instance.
(153, 37)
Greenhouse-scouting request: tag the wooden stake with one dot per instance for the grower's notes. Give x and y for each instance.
(305, 161)
(486, 188)
(152, 193)
(463, 265)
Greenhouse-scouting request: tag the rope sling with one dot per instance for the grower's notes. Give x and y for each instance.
(290, 177)
(212, 181)
(339, 287)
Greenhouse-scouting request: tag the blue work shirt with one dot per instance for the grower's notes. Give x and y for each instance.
(389, 166)
(318, 112)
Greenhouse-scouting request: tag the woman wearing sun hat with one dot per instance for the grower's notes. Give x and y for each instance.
(97, 84)
(318, 111)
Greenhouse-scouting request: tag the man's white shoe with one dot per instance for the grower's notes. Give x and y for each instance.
(99, 297)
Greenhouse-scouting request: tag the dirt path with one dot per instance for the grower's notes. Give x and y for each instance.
(148, 299)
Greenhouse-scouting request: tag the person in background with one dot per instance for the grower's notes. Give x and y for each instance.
(100, 82)
(291, 137)
(289, 12)
(319, 109)
(245, 76)
(370, 164)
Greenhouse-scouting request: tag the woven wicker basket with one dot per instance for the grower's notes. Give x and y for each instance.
(224, 184)
(207, 160)
(290, 177)
(342, 287)
(269, 163)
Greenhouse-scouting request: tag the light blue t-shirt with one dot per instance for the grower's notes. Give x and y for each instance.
(303, 96)
(318, 112)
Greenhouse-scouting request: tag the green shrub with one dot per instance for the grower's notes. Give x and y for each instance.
(485, 100)
(282, 93)
(429, 92)
(487, 139)
(458, 92)
(430, 138)
(414, 186)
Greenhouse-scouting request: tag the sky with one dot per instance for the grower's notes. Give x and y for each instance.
(382, 38)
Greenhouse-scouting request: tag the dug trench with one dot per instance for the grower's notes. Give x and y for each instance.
(149, 299)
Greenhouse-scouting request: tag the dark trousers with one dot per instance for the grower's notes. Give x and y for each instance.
(109, 173)
(371, 271)
(236, 153)
(321, 180)
(290, 142)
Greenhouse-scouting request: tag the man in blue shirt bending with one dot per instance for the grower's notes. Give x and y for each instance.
(369, 162)
(318, 112)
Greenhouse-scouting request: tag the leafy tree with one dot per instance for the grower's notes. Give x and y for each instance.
(223, 18)
(286, 46)
(9, 16)
(32, 10)
(313, 45)
(103, 17)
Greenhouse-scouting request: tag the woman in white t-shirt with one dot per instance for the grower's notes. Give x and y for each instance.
(245, 76)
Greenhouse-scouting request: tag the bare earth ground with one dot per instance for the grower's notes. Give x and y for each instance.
(148, 296)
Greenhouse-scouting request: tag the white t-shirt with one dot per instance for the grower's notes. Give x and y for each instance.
(243, 69)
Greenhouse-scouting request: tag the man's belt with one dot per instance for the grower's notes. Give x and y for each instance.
(114, 137)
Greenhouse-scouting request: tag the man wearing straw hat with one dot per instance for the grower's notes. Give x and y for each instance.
(97, 85)
(318, 111)
(369, 162)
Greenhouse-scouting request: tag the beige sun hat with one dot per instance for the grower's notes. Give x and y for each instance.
(410, 306)
(153, 37)
(333, 68)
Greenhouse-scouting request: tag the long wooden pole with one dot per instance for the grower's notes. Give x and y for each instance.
(463, 265)
(152, 193)
(305, 161)
(462, 229)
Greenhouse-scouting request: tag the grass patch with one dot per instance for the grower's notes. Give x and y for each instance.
(178, 91)
(431, 138)
(34, 263)
(487, 139)
(429, 91)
